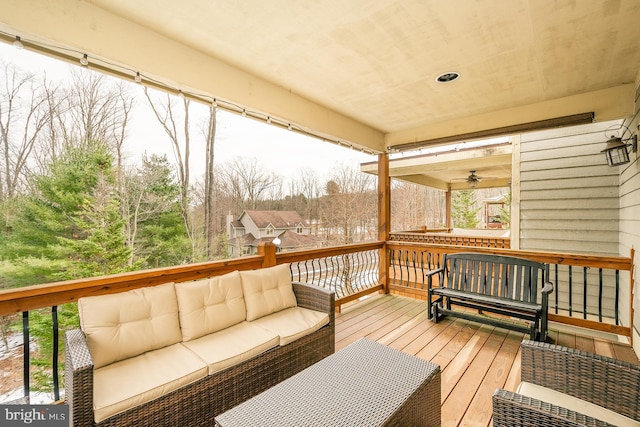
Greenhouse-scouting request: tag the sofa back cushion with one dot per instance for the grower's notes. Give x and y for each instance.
(210, 305)
(267, 290)
(126, 324)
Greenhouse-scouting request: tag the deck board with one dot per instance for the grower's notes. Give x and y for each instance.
(475, 359)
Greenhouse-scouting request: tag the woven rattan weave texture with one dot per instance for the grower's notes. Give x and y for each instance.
(364, 384)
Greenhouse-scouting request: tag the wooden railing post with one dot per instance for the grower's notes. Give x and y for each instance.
(268, 250)
(448, 222)
(632, 270)
(384, 217)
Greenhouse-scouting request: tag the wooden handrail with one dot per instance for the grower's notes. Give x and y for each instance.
(297, 256)
(593, 261)
(51, 294)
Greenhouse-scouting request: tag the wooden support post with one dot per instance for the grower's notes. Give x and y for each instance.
(268, 250)
(447, 203)
(632, 270)
(384, 217)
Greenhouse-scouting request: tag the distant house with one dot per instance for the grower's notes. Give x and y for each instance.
(285, 228)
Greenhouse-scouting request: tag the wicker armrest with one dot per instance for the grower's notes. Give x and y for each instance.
(511, 410)
(606, 382)
(78, 378)
(314, 297)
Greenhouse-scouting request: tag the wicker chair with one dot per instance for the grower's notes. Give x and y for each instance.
(606, 382)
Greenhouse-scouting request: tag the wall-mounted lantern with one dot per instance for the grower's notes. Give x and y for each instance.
(616, 150)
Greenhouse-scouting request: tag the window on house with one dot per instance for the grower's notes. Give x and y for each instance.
(269, 231)
(299, 229)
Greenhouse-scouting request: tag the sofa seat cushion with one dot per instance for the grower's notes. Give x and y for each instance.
(230, 346)
(138, 380)
(267, 290)
(563, 400)
(293, 323)
(123, 325)
(209, 305)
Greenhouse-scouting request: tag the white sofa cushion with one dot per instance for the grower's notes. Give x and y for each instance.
(132, 382)
(209, 305)
(233, 345)
(124, 325)
(293, 323)
(557, 398)
(267, 291)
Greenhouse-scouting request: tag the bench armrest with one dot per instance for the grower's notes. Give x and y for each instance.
(429, 275)
(78, 378)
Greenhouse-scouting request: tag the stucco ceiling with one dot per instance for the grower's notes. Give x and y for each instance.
(364, 71)
(377, 62)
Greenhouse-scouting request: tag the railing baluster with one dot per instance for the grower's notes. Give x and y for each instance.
(313, 271)
(617, 297)
(570, 291)
(422, 270)
(600, 292)
(414, 261)
(26, 351)
(556, 291)
(56, 345)
(584, 290)
(402, 254)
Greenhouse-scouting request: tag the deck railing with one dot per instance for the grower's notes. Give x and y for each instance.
(350, 271)
(450, 239)
(588, 288)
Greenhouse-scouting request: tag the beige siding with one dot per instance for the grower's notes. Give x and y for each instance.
(630, 227)
(568, 195)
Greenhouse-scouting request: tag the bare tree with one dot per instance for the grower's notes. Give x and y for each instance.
(210, 226)
(415, 206)
(124, 104)
(349, 208)
(93, 108)
(246, 183)
(168, 116)
(23, 115)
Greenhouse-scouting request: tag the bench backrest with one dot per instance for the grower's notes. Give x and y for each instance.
(496, 275)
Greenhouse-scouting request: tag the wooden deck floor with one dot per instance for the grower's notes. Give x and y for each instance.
(475, 359)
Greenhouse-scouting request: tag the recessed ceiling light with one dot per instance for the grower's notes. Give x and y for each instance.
(447, 77)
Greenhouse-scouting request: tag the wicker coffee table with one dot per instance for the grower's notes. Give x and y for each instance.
(364, 384)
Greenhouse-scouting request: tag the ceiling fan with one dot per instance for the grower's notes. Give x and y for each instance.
(473, 179)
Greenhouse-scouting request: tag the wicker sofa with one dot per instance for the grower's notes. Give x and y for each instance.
(567, 387)
(180, 354)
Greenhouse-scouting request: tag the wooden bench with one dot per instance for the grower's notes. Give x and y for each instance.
(507, 286)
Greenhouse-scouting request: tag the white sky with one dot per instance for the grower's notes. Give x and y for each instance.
(278, 150)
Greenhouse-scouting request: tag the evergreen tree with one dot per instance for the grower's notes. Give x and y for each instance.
(464, 211)
(71, 227)
(505, 212)
(156, 230)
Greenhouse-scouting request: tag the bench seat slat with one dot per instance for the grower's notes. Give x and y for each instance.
(489, 300)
